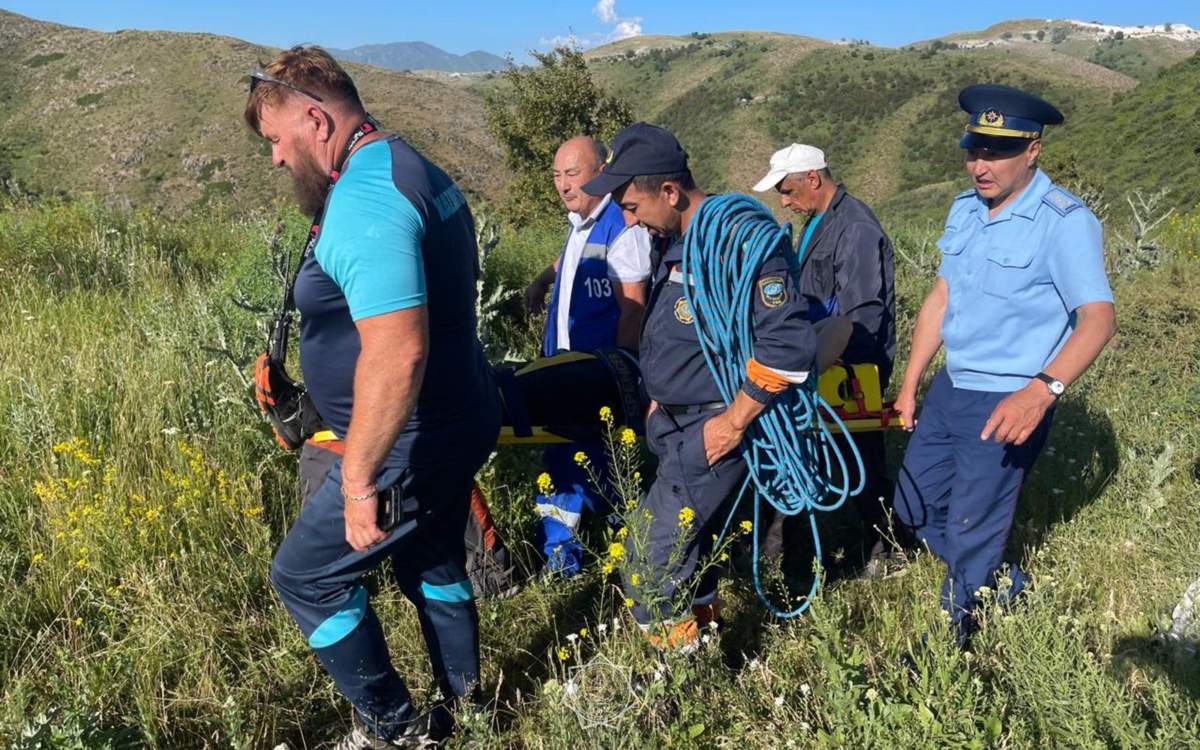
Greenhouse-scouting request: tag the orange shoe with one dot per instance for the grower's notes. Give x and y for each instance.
(684, 635)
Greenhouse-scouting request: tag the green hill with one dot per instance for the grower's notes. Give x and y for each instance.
(888, 119)
(1138, 51)
(1148, 139)
(155, 117)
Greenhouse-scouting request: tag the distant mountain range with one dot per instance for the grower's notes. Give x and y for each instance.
(420, 56)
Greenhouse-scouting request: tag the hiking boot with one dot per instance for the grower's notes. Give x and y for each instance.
(684, 636)
(427, 730)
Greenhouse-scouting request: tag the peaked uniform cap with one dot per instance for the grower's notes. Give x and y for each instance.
(1004, 118)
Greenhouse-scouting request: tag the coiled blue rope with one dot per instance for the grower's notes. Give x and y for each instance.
(793, 462)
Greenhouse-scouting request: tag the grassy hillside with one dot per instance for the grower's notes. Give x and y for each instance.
(1148, 139)
(1135, 51)
(887, 119)
(141, 500)
(155, 117)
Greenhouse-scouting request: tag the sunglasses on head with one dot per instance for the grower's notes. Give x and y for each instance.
(259, 76)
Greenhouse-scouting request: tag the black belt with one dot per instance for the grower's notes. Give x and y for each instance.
(679, 410)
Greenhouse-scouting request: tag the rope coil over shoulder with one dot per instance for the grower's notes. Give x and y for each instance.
(794, 463)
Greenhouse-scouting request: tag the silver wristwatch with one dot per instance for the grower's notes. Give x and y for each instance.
(1056, 387)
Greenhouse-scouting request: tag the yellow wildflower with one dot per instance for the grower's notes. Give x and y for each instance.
(82, 563)
(607, 567)
(545, 484)
(606, 415)
(747, 527)
(724, 556)
(78, 621)
(37, 558)
(635, 579)
(616, 551)
(622, 532)
(583, 632)
(628, 603)
(628, 436)
(581, 458)
(564, 653)
(686, 517)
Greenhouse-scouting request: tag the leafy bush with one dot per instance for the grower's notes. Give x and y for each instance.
(534, 111)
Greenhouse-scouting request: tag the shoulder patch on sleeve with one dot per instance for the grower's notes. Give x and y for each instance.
(772, 290)
(1061, 201)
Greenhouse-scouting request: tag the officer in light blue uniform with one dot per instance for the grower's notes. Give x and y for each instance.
(1023, 307)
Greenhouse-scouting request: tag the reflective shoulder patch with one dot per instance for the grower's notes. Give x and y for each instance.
(1061, 201)
(772, 291)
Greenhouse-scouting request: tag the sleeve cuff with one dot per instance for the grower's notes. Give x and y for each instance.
(758, 393)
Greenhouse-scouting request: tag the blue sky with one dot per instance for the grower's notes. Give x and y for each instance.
(517, 25)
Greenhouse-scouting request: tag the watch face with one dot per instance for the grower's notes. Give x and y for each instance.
(1056, 387)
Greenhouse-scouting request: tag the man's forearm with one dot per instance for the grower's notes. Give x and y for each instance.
(927, 336)
(385, 393)
(743, 410)
(631, 299)
(1096, 324)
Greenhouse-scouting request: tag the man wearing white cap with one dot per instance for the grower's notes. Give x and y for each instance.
(846, 271)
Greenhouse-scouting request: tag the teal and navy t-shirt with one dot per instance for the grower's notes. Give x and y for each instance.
(396, 234)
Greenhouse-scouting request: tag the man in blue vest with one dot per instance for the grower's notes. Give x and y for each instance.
(599, 292)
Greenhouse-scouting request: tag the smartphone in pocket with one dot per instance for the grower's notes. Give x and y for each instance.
(391, 508)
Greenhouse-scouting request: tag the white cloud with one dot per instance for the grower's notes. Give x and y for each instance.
(623, 28)
(626, 28)
(606, 10)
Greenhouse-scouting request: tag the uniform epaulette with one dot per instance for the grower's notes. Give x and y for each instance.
(1061, 201)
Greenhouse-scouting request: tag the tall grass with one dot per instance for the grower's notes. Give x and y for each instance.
(141, 500)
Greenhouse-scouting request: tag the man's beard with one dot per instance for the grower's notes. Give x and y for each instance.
(309, 183)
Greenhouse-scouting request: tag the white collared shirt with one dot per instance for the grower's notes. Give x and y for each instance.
(628, 261)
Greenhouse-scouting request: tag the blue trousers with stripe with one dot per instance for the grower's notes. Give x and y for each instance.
(316, 574)
(574, 494)
(958, 494)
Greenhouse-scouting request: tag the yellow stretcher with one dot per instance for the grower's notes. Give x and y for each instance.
(555, 399)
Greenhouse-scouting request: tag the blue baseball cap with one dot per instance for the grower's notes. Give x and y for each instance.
(1004, 118)
(640, 149)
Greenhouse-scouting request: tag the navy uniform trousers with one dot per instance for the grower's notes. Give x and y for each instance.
(674, 554)
(317, 576)
(958, 494)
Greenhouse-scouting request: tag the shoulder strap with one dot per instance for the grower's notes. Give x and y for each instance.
(277, 344)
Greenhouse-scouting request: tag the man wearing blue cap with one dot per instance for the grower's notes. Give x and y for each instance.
(1023, 307)
(692, 431)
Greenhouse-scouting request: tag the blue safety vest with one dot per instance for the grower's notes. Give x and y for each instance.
(594, 314)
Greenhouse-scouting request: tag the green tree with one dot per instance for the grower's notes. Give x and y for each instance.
(537, 109)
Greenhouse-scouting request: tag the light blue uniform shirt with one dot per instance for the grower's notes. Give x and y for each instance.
(1015, 281)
